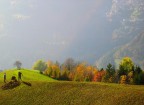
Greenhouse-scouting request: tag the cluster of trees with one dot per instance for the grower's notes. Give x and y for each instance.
(128, 73)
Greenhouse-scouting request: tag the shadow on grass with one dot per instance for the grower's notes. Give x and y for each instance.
(27, 83)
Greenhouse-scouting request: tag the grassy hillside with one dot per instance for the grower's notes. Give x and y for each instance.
(28, 75)
(73, 93)
(46, 91)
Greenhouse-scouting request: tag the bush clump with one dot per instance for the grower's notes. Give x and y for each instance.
(12, 84)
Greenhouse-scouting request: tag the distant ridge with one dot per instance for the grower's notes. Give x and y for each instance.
(133, 49)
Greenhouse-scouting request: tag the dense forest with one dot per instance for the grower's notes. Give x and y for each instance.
(70, 70)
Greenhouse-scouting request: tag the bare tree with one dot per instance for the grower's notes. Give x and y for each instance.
(18, 64)
(69, 64)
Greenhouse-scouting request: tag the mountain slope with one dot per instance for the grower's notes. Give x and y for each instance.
(129, 17)
(128, 36)
(133, 49)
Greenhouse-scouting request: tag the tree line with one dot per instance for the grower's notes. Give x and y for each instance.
(70, 70)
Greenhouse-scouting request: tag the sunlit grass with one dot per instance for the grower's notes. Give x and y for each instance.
(27, 75)
(46, 91)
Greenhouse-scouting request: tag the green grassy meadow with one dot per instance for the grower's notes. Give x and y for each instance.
(27, 75)
(46, 91)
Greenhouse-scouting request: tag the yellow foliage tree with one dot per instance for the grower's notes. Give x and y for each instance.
(123, 79)
(52, 70)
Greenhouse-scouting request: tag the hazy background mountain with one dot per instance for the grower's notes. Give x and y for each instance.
(133, 49)
(129, 36)
(84, 30)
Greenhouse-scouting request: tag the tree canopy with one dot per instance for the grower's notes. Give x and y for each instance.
(40, 65)
(18, 64)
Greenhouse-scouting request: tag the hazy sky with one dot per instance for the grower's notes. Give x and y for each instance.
(53, 29)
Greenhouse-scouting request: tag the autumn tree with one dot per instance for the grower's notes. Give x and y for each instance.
(135, 76)
(131, 77)
(39, 65)
(69, 64)
(90, 72)
(48, 70)
(99, 75)
(126, 65)
(123, 79)
(55, 71)
(65, 75)
(52, 70)
(80, 72)
(18, 64)
(71, 75)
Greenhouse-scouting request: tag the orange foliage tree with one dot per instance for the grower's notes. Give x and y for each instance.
(99, 75)
(84, 72)
(53, 70)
